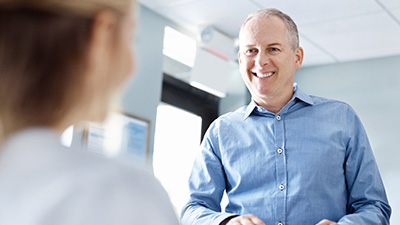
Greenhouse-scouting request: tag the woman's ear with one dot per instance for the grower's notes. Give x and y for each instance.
(102, 33)
(100, 47)
(99, 61)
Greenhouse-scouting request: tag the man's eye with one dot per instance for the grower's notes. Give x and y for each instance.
(251, 51)
(274, 50)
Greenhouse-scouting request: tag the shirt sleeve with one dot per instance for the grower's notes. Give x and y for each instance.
(206, 185)
(367, 201)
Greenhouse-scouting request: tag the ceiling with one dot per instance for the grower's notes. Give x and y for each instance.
(331, 31)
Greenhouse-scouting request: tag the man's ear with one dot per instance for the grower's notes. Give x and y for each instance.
(240, 61)
(299, 57)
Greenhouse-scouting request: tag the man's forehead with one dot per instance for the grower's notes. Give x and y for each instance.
(270, 29)
(261, 23)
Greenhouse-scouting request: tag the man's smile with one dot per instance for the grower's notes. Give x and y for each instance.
(263, 75)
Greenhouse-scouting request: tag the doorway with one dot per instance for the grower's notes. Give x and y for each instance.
(182, 120)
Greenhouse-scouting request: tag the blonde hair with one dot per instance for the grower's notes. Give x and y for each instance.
(43, 54)
(292, 32)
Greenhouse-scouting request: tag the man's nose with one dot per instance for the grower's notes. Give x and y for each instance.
(262, 60)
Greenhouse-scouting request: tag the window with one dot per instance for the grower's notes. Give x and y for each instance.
(177, 139)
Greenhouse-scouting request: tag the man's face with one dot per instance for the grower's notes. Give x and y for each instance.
(267, 61)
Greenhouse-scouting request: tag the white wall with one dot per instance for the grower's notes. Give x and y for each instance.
(372, 88)
(143, 93)
(237, 94)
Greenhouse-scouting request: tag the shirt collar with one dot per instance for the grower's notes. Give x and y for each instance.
(250, 108)
(301, 95)
(298, 94)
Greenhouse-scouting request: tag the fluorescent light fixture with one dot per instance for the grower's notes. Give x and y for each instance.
(210, 73)
(179, 47)
(207, 89)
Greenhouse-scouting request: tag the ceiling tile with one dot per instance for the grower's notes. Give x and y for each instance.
(390, 4)
(396, 13)
(311, 11)
(225, 15)
(335, 29)
(155, 4)
(393, 6)
(314, 55)
(360, 37)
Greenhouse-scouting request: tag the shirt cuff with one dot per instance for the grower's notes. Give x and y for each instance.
(222, 217)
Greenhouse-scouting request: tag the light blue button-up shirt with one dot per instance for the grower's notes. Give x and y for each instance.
(311, 161)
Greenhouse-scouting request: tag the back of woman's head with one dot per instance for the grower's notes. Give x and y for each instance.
(43, 53)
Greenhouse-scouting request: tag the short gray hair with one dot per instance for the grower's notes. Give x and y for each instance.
(292, 32)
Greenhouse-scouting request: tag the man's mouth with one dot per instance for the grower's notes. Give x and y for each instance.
(263, 75)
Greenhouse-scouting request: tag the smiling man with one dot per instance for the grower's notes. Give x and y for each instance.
(268, 61)
(287, 158)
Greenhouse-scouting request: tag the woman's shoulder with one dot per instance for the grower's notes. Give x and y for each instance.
(36, 164)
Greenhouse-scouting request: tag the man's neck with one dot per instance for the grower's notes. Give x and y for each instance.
(274, 104)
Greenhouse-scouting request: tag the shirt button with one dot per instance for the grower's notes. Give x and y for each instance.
(278, 118)
(259, 109)
(281, 187)
(279, 150)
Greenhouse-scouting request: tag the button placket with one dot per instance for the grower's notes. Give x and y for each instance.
(281, 169)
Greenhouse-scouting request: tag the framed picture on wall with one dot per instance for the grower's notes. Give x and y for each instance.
(122, 135)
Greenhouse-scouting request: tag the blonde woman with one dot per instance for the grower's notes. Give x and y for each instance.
(61, 62)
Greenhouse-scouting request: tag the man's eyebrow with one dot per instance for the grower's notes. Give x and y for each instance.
(272, 44)
(252, 45)
(269, 45)
(249, 45)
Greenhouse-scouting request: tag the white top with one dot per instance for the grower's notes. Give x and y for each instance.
(43, 182)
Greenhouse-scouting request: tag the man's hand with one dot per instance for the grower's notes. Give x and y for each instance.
(244, 220)
(326, 222)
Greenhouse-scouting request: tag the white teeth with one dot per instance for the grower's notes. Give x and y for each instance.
(264, 75)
